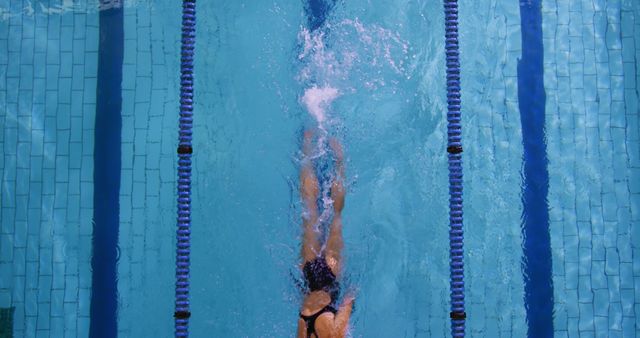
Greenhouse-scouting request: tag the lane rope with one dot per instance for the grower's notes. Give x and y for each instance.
(454, 149)
(185, 150)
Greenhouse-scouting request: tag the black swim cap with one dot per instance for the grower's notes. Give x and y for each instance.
(318, 275)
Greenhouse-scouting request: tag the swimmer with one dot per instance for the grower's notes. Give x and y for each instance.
(319, 317)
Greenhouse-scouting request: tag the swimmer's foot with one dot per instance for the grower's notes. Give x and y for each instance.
(307, 143)
(308, 180)
(337, 186)
(338, 153)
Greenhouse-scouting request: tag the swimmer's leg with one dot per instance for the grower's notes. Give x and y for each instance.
(309, 192)
(334, 242)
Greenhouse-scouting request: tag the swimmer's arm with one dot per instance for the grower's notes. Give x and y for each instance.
(341, 320)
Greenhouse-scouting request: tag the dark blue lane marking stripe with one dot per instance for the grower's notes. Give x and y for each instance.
(536, 263)
(106, 175)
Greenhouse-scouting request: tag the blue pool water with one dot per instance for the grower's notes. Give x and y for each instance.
(555, 252)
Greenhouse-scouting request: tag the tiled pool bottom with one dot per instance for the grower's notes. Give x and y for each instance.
(591, 77)
(591, 80)
(48, 67)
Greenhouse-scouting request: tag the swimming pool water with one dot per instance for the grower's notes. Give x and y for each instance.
(373, 75)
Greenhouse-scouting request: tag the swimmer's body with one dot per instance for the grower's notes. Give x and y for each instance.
(318, 316)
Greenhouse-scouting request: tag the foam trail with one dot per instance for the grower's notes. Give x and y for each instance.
(317, 100)
(338, 59)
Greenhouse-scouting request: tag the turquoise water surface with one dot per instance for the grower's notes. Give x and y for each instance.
(372, 75)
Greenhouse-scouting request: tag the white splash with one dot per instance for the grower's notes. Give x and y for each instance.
(339, 60)
(318, 99)
(349, 55)
(309, 42)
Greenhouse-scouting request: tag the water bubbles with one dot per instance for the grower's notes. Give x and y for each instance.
(346, 58)
(317, 99)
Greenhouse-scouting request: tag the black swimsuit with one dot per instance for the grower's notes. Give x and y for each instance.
(311, 320)
(318, 276)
